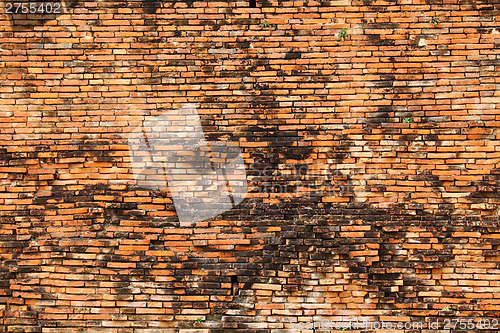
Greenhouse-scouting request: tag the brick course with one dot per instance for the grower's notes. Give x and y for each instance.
(396, 129)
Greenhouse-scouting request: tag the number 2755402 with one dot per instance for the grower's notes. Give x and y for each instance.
(471, 324)
(33, 8)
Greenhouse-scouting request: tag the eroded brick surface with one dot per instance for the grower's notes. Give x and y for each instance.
(372, 162)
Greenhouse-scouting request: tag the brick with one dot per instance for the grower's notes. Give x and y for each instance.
(397, 208)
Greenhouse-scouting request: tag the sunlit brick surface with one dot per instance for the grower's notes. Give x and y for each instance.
(372, 160)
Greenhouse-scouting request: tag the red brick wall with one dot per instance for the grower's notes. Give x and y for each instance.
(397, 129)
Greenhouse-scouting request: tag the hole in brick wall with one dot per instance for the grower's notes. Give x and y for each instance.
(253, 3)
(234, 285)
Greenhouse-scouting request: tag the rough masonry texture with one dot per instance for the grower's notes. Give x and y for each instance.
(372, 158)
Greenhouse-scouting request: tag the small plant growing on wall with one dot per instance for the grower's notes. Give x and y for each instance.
(408, 121)
(265, 24)
(342, 34)
(435, 22)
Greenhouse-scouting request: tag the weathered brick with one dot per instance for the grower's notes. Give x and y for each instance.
(395, 127)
